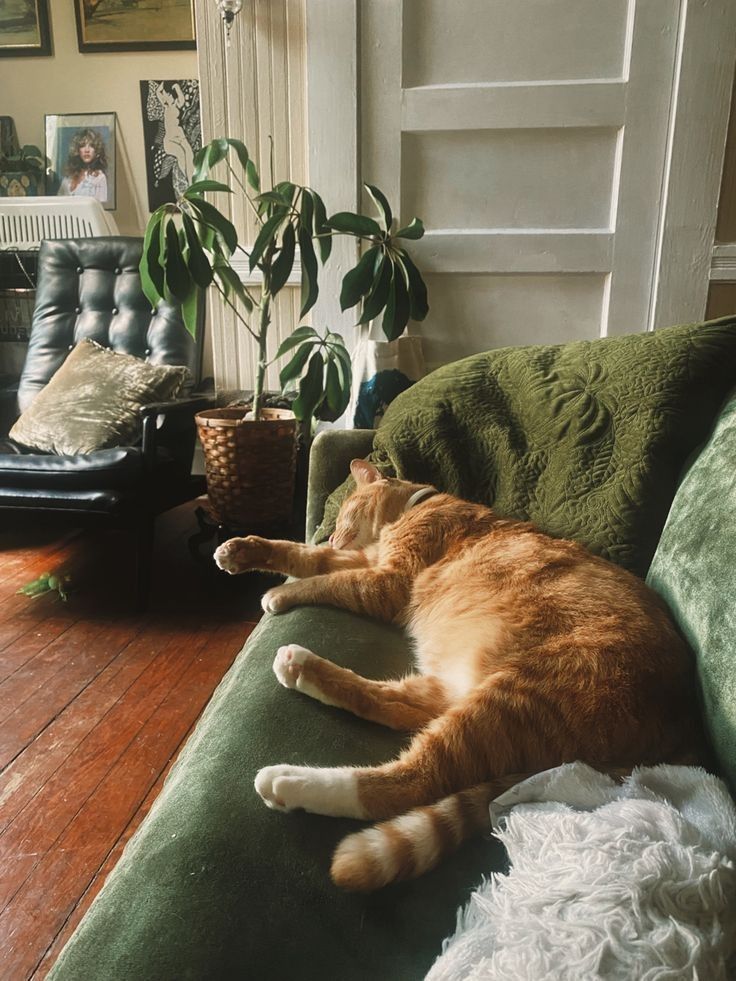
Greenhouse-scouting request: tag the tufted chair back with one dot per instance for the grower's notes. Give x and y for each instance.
(91, 287)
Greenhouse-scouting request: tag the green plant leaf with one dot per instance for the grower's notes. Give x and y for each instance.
(311, 389)
(189, 310)
(396, 315)
(346, 221)
(231, 283)
(222, 225)
(337, 394)
(378, 295)
(266, 236)
(241, 150)
(358, 281)
(177, 278)
(251, 175)
(306, 211)
(415, 229)
(341, 354)
(295, 366)
(418, 304)
(286, 190)
(210, 154)
(199, 187)
(151, 270)
(199, 266)
(270, 197)
(384, 208)
(295, 338)
(321, 228)
(310, 283)
(284, 261)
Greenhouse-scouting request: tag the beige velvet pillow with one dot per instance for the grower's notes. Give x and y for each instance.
(93, 401)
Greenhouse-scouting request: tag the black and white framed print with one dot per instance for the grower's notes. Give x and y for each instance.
(135, 25)
(172, 135)
(24, 28)
(81, 149)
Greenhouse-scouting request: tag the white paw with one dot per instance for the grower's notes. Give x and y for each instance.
(287, 665)
(274, 601)
(226, 559)
(331, 791)
(272, 783)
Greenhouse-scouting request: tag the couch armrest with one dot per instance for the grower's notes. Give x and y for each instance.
(329, 464)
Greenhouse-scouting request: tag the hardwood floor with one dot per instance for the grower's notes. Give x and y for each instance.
(95, 702)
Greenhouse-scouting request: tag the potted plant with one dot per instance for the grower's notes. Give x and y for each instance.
(22, 173)
(189, 247)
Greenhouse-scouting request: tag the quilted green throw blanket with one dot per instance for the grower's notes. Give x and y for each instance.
(587, 439)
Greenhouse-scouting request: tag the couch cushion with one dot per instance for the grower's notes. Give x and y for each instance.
(694, 568)
(215, 885)
(93, 401)
(585, 439)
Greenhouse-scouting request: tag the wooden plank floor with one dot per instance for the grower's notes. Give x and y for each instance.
(95, 703)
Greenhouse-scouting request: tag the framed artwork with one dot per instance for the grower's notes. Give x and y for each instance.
(24, 28)
(172, 134)
(81, 149)
(135, 25)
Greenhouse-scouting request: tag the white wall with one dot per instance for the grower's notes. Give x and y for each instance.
(70, 82)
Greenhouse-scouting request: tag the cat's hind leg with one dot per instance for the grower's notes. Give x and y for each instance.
(406, 704)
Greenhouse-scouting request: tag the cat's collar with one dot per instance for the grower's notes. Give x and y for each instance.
(421, 495)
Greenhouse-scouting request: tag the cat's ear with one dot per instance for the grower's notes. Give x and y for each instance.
(364, 472)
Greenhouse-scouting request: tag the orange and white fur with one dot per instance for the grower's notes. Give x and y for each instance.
(529, 652)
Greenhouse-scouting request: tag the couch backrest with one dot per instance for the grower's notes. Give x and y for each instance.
(91, 288)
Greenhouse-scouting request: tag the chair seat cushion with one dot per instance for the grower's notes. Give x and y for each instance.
(110, 469)
(216, 885)
(93, 401)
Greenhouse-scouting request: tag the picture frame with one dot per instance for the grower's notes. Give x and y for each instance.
(172, 134)
(81, 148)
(25, 29)
(135, 25)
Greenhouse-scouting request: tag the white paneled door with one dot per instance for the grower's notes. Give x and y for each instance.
(533, 137)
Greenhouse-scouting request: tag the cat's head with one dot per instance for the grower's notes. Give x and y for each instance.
(376, 501)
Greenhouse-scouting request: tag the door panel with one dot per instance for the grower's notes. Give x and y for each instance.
(531, 137)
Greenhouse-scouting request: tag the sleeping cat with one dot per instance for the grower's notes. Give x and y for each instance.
(529, 652)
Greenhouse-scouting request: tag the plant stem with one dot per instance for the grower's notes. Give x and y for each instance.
(265, 320)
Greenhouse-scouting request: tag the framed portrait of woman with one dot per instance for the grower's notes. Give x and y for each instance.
(135, 25)
(24, 28)
(81, 149)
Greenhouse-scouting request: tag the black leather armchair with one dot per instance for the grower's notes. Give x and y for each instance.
(90, 288)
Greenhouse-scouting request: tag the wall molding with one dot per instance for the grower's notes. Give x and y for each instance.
(723, 263)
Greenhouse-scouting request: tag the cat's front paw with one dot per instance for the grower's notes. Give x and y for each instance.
(277, 600)
(242, 554)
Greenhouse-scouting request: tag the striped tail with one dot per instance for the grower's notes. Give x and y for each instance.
(413, 843)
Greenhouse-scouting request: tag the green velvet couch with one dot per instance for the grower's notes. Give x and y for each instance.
(214, 885)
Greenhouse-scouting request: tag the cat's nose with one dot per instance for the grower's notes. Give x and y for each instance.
(332, 541)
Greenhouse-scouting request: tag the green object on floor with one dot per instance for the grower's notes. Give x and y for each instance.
(694, 569)
(586, 439)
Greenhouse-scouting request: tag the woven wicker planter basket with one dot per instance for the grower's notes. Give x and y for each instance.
(250, 466)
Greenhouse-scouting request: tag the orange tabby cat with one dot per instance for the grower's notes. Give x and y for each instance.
(530, 652)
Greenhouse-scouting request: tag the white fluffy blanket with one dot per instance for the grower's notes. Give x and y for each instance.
(634, 882)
